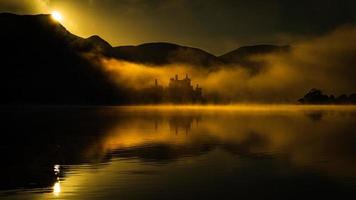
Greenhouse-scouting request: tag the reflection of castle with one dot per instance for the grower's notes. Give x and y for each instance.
(178, 91)
(181, 123)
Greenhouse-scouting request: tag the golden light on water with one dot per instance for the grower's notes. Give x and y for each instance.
(57, 16)
(305, 134)
(57, 185)
(57, 188)
(239, 107)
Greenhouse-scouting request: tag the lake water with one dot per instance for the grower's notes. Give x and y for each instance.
(183, 152)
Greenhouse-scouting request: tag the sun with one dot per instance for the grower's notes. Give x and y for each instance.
(57, 16)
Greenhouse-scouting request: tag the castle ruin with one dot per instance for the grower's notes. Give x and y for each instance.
(183, 91)
(177, 91)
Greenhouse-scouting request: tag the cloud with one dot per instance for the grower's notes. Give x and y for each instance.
(327, 62)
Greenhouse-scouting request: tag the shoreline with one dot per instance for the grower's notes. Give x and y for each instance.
(220, 107)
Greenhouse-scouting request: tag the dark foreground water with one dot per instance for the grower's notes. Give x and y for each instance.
(228, 152)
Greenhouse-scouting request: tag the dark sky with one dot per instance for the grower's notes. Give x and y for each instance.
(217, 26)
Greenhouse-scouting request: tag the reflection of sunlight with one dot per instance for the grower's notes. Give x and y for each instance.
(57, 185)
(57, 188)
(259, 129)
(134, 137)
(269, 130)
(56, 169)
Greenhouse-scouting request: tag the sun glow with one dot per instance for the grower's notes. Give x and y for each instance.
(57, 16)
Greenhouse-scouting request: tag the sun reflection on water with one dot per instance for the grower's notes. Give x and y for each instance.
(57, 184)
(57, 188)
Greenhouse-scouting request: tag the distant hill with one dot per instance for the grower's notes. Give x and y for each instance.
(243, 53)
(245, 56)
(161, 53)
(41, 63)
(97, 44)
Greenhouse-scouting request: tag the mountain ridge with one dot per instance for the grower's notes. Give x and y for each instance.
(159, 53)
(44, 63)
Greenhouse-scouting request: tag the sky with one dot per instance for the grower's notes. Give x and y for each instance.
(217, 26)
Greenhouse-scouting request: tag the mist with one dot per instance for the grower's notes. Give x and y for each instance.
(326, 62)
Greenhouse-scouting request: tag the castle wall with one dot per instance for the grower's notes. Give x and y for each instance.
(178, 91)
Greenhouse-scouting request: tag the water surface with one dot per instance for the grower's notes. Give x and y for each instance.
(185, 152)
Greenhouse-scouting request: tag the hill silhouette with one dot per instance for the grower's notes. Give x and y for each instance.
(43, 63)
(245, 56)
(161, 53)
(242, 53)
